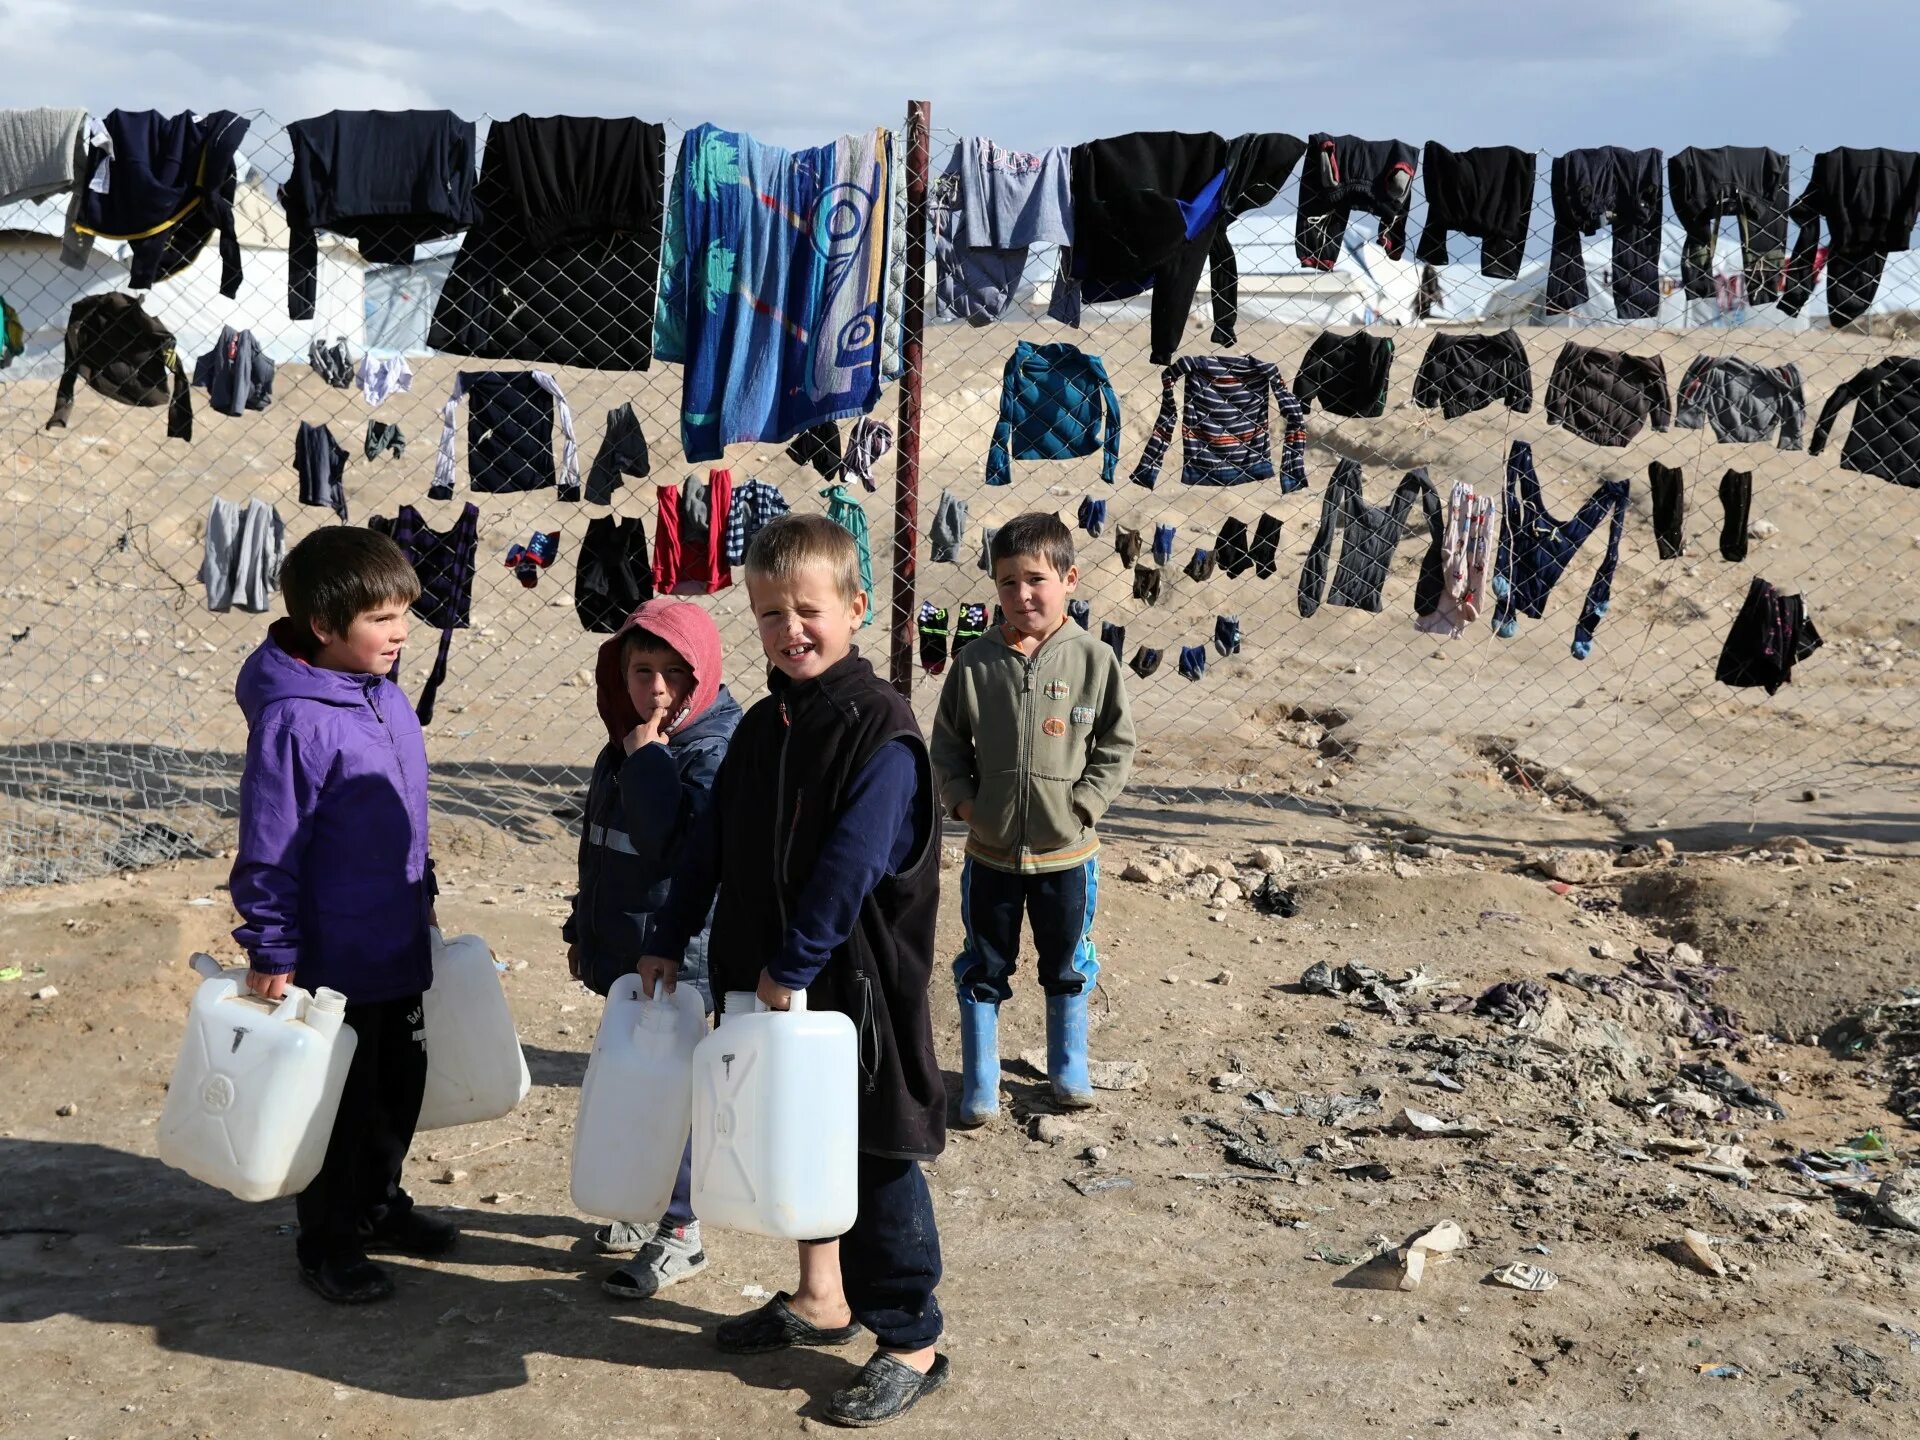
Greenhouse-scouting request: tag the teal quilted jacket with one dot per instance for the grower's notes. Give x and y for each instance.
(1055, 404)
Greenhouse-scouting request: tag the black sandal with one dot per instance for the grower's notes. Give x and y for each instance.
(774, 1326)
(884, 1390)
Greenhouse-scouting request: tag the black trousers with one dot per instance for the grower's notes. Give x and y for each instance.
(359, 1182)
(890, 1259)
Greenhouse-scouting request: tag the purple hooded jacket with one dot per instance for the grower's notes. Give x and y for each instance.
(331, 876)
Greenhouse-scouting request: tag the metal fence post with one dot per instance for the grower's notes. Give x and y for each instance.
(906, 463)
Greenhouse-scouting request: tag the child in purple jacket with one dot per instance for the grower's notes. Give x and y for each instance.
(332, 880)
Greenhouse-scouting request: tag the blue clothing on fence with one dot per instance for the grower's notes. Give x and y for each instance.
(1055, 404)
(771, 284)
(845, 512)
(1535, 550)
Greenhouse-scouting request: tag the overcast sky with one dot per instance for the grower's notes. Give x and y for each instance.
(1551, 74)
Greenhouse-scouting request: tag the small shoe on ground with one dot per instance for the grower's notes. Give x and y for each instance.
(668, 1258)
(884, 1390)
(410, 1232)
(774, 1326)
(621, 1238)
(349, 1279)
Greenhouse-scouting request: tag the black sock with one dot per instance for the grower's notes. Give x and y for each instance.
(1080, 612)
(1126, 544)
(1145, 662)
(1736, 497)
(1231, 548)
(1669, 509)
(1226, 634)
(1266, 547)
(1116, 637)
(1146, 584)
(971, 625)
(934, 634)
(1201, 566)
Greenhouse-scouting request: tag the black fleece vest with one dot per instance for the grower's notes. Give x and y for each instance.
(780, 791)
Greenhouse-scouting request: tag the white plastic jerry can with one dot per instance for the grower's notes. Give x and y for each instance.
(636, 1102)
(475, 1067)
(254, 1093)
(776, 1121)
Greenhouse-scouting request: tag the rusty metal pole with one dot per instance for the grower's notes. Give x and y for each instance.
(906, 450)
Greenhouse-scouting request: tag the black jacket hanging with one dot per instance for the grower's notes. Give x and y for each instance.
(1869, 200)
(1485, 192)
(623, 451)
(563, 267)
(613, 575)
(321, 463)
(1342, 174)
(1885, 438)
(126, 355)
(165, 186)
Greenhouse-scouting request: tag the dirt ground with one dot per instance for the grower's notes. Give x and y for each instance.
(1213, 1289)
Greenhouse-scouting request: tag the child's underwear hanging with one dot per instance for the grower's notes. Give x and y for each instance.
(1535, 550)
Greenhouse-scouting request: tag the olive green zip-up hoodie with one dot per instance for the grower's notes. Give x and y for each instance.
(1039, 744)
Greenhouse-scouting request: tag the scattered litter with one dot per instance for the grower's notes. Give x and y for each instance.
(1720, 1372)
(1897, 1201)
(1862, 1147)
(1375, 1247)
(1371, 987)
(45, 992)
(1737, 1089)
(1263, 1100)
(1515, 1002)
(497, 1197)
(1363, 1170)
(1723, 1162)
(1337, 1109)
(202, 902)
(1099, 1184)
(1230, 1080)
(1270, 897)
(67, 1111)
(1536, 1250)
(1436, 1247)
(756, 1293)
(1696, 1250)
(1417, 1122)
(1439, 1081)
(10, 974)
(1905, 1332)
(1521, 1276)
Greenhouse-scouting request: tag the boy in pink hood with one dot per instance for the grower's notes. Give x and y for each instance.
(668, 722)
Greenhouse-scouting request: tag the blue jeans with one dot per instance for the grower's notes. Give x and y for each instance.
(1059, 905)
(890, 1259)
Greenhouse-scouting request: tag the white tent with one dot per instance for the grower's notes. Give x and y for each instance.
(37, 284)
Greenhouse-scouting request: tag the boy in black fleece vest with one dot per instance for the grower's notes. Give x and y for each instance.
(823, 851)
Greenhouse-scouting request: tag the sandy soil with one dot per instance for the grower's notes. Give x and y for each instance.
(136, 1302)
(116, 650)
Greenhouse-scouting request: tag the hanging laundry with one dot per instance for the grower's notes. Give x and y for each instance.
(1771, 634)
(383, 376)
(445, 564)
(1145, 661)
(754, 506)
(1226, 635)
(528, 560)
(971, 625)
(1486, 192)
(1232, 548)
(770, 291)
(1347, 374)
(1463, 565)
(893, 274)
(164, 185)
(1225, 437)
(1535, 550)
(623, 451)
(1055, 404)
(126, 355)
(845, 512)
(1343, 173)
(1460, 374)
(332, 363)
(1201, 567)
(1668, 486)
(818, 446)
(1744, 402)
(1868, 199)
(321, 463)
(935, 632)
(613, 576)
(1080, 612)
(1736, 505)
(1747, 183)
(1606, 396)
(1885, 437)
(989, 206)
(236, 373)
(1163, 536)
(1151, 210)
(1266, 548)
(949, 529)
(1092, 516)
(509, 434)
(244, 548)
(987, 532)
(689, 537)
(13, 336)
(1193, 661)
(867, 440)
(1146, 584)
(1114, 637)
(1373, 534)
(1607, 185)
(389, 180)
(561, 267)
(1127, 544)
(43, 153)
(384, 438)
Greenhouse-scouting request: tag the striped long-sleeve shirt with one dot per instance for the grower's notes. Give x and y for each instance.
(754, 505)
(1225, 437)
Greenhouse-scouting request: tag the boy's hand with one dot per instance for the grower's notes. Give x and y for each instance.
(573, 961)
(647, 732)
(657, 970)
(773, 994)
(267, 987)
(963, 812)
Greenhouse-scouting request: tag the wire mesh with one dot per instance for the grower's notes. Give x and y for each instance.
(120, 742)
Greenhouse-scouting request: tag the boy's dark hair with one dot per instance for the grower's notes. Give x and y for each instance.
(341, 572)
(1034, 536)
(792, 541)
(641, 638)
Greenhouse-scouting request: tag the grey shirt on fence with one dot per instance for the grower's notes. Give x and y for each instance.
(991, 205)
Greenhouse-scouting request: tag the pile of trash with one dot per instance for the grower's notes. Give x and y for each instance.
(1889, 1030)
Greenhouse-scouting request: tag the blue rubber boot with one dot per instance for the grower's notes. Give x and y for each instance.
(1067, 1051)
(979, 1062)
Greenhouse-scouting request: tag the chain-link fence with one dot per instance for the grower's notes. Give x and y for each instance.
(120, 740)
